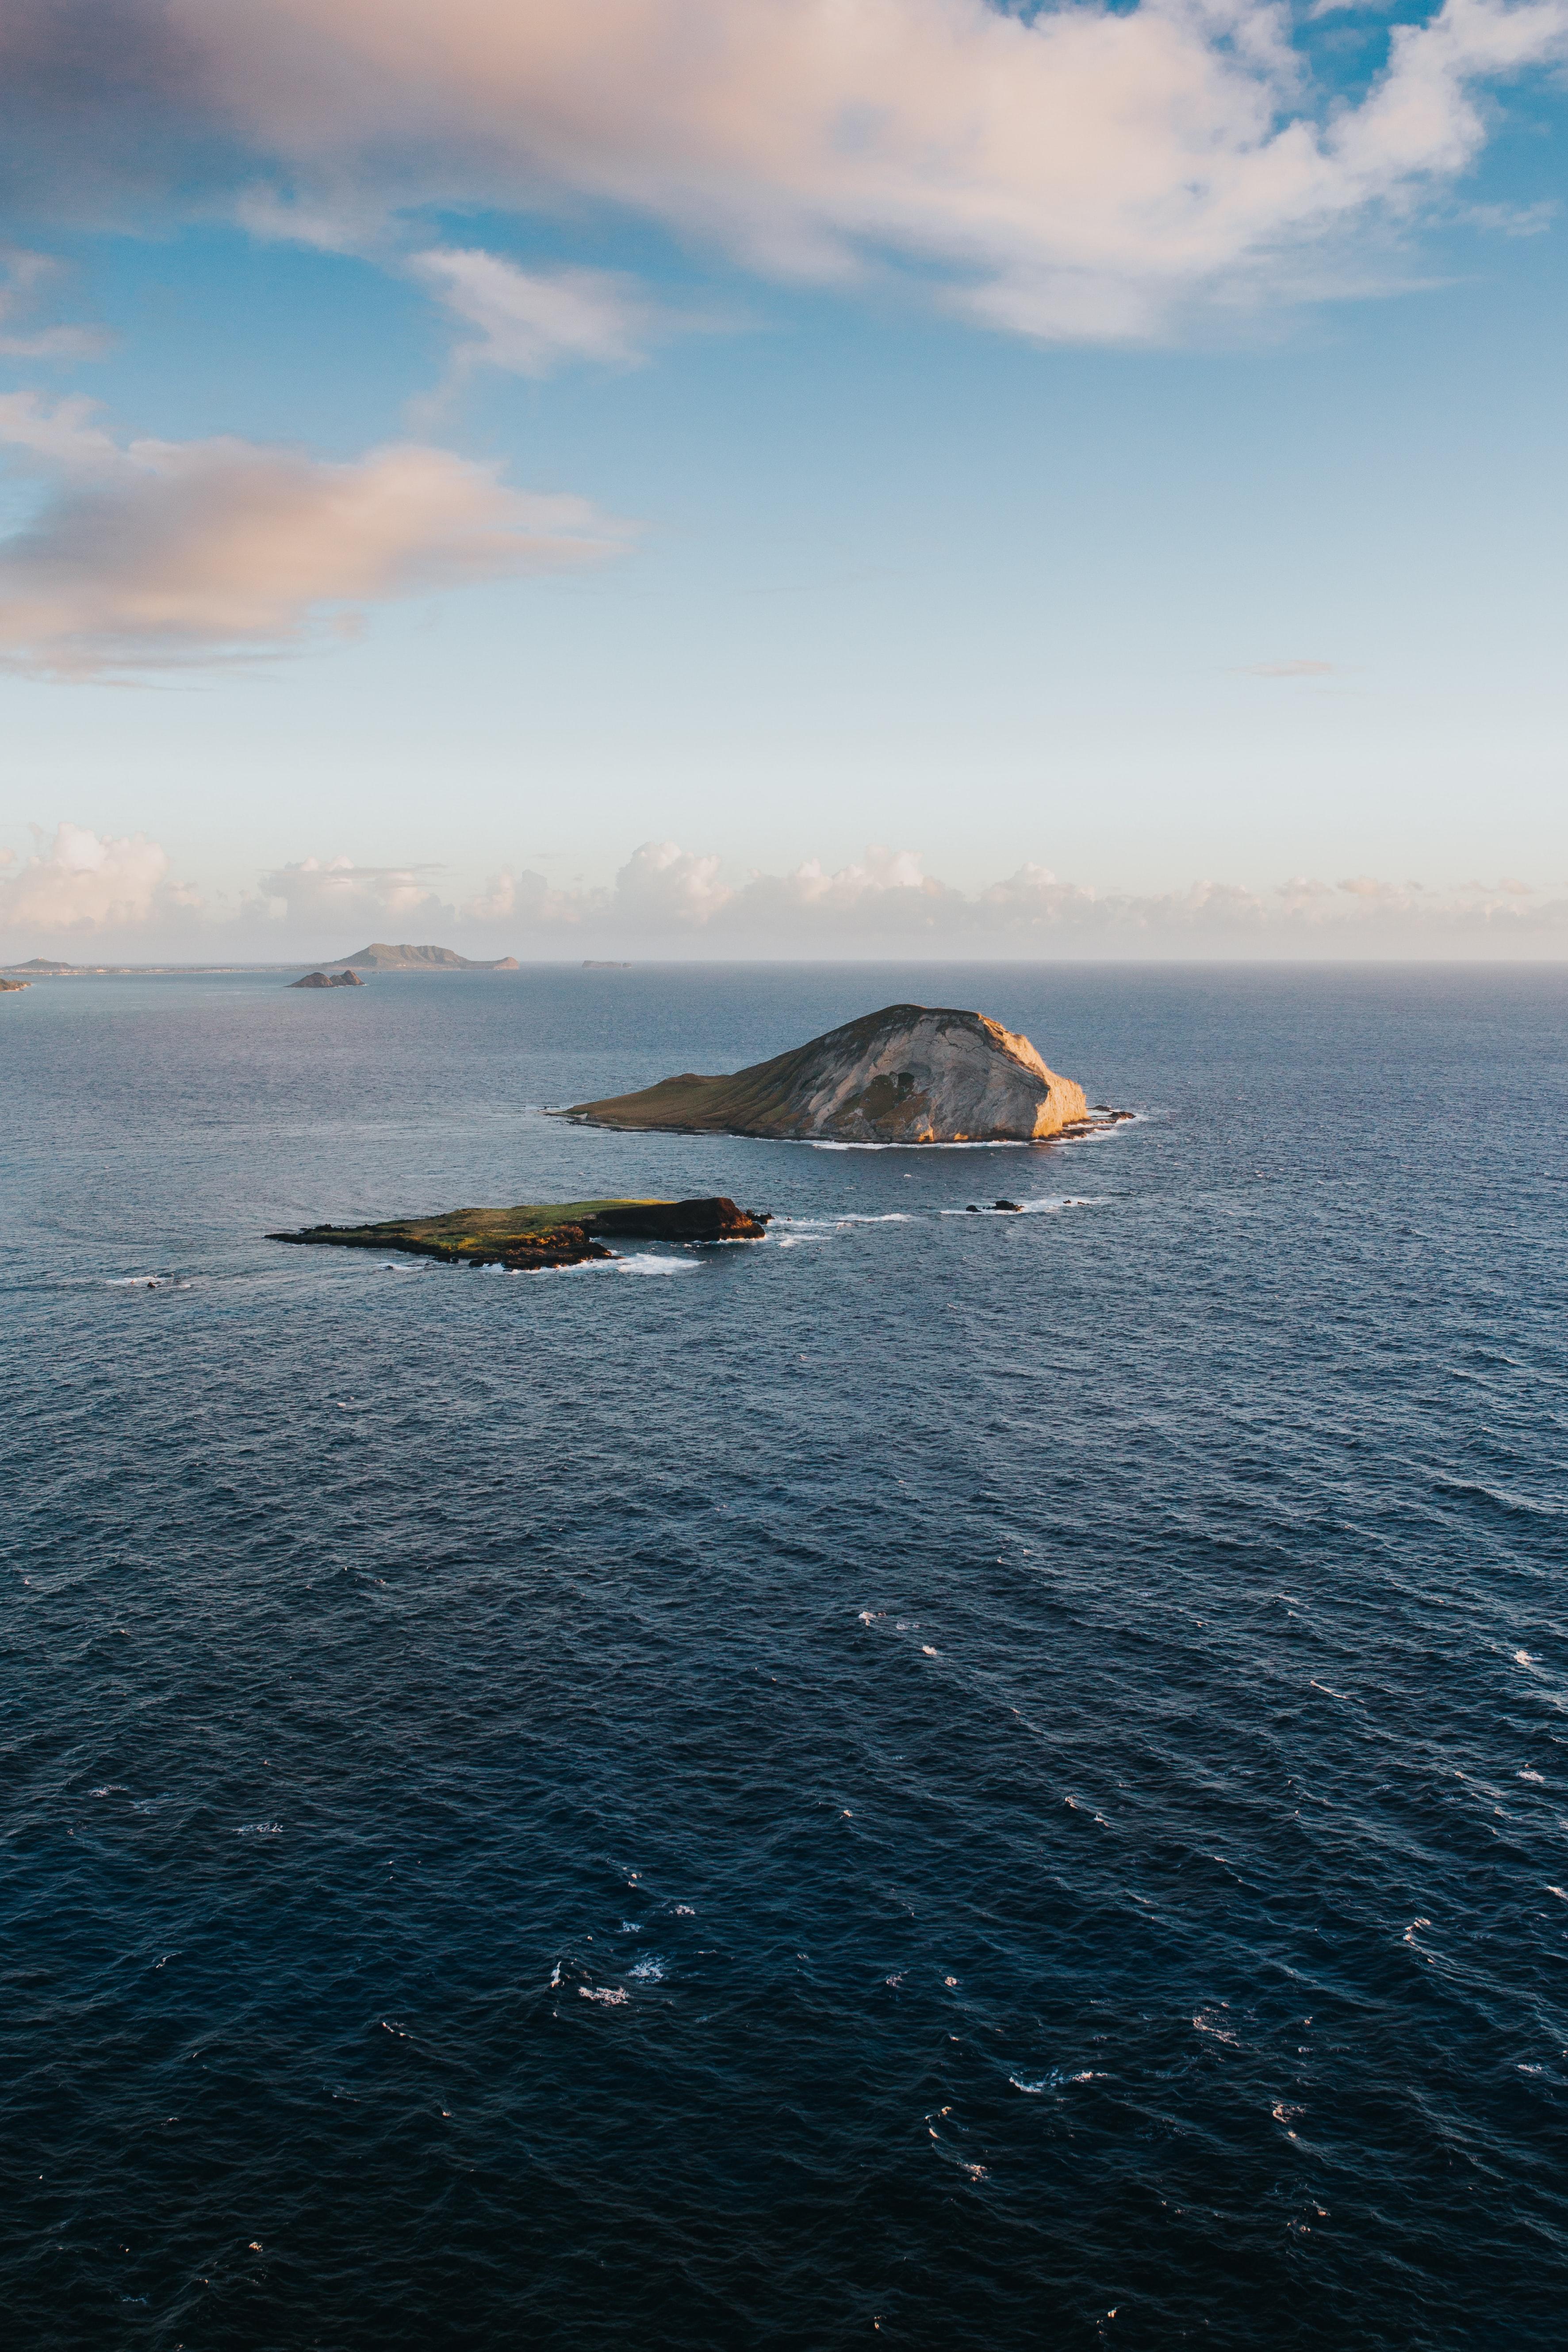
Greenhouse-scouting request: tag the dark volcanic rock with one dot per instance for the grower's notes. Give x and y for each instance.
(324, 980)
(525, 1253)
(715, 1219)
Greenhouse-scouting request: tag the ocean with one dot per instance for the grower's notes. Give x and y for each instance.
(937, 1780)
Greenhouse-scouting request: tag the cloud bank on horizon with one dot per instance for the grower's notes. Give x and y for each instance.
(88, 899)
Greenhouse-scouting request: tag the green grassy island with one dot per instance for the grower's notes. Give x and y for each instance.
(543, 1233)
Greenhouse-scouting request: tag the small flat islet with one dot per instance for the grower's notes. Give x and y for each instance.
(537, 1235)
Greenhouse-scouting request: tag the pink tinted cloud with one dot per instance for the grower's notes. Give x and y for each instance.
(1078, 170)
(1081, 171)
(167, 553)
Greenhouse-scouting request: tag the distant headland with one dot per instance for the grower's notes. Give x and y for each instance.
(381, 956)
(910, 1074)
(543, 1233)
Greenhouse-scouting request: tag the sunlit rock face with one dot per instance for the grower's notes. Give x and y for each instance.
(910, 1074)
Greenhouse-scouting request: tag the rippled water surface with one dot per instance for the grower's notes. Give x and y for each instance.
(979, 1781)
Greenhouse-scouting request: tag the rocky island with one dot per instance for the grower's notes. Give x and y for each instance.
(383, 956)
(328, 980)
(543, 1233)
(910, 1074)
(11, 985)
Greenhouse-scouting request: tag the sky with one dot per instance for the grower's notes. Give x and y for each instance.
(823, 478)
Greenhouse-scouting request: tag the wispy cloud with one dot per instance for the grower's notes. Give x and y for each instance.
(25, 278)
(1289, 669)
(1082, 172)
(161, 553)
(530, 322)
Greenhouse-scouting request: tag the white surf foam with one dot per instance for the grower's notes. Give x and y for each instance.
(1008, 1143)
(1053, 2080)
(1048, 1205)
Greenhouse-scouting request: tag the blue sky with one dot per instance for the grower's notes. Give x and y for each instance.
(745, 508)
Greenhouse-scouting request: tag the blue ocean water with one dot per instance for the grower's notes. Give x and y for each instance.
(979, 1781)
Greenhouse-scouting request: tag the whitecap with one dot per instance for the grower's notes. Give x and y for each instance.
(1050, 1204)
(607, 1996)
(649, 1969)
(261, 1829)
(1053, 2080)
(684, 1911)
(1523, 1658)
(1538, 1778)
(849, 1217)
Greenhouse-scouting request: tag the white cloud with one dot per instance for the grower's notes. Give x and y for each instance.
(339, 895)
(79, 882)
(166, 553)
(338, 899)
(1081, 171)
(530, 322)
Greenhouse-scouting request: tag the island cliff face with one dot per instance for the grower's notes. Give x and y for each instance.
(910, 1074)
